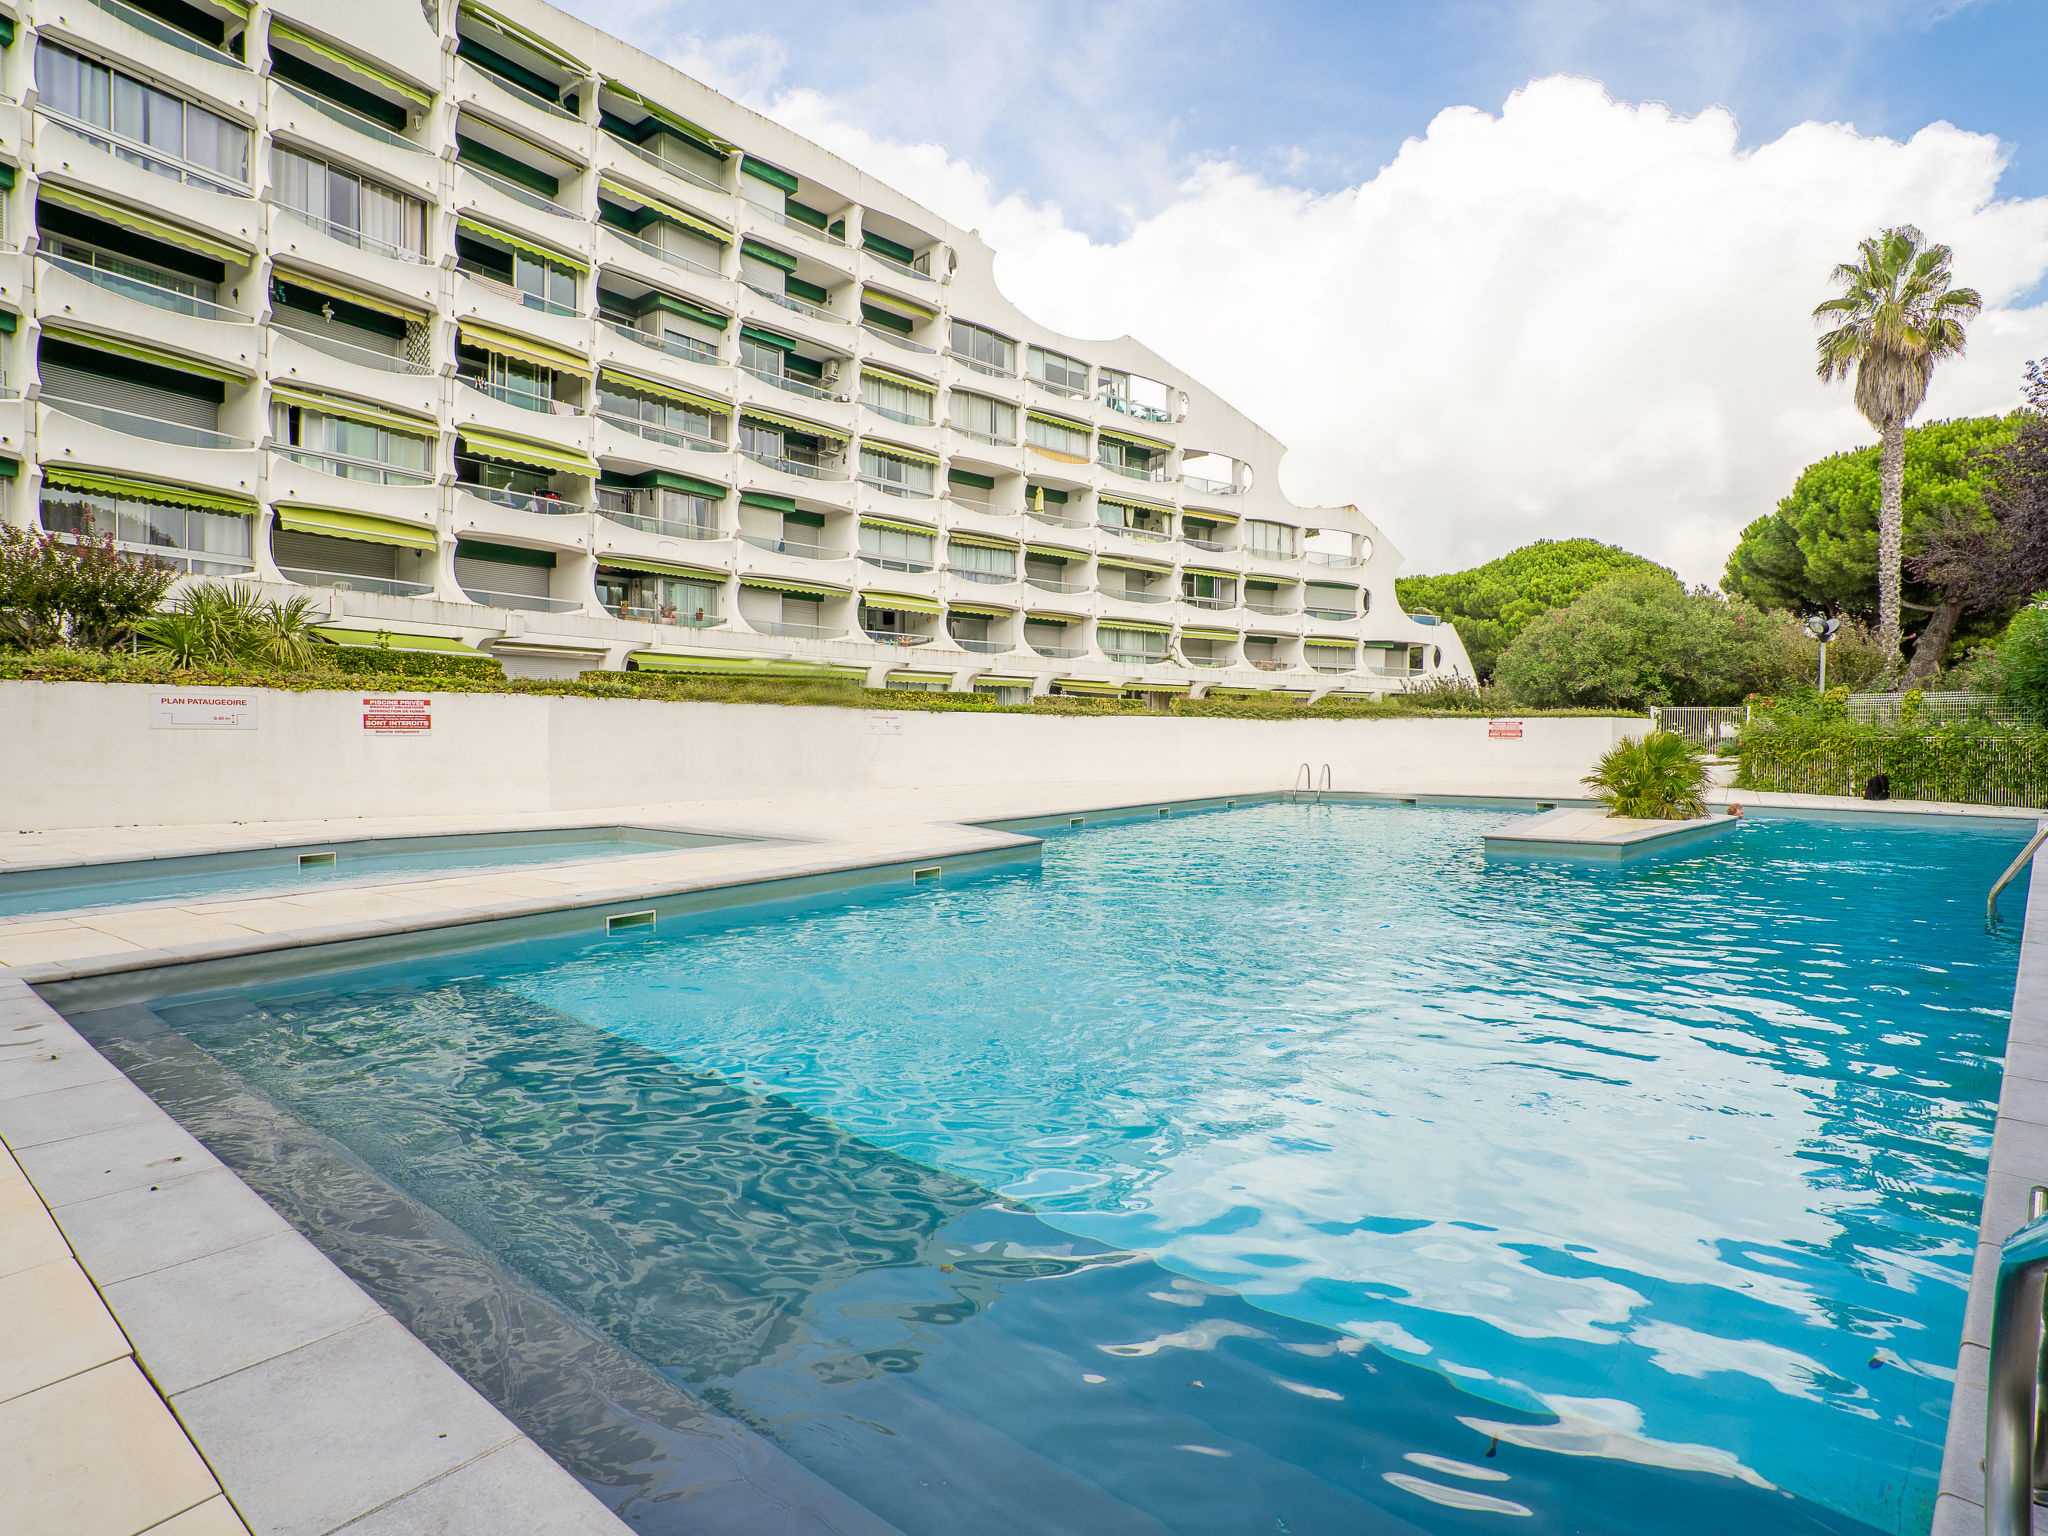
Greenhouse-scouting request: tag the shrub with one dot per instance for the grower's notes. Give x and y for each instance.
(1656, 777)
(2019, 671)
(227, 624)
(83, 593)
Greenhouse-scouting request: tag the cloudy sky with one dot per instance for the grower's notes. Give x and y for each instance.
(1495, 270)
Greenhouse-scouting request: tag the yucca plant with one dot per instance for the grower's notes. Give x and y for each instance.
(1657, 777)
(177, 639)
(282, 633)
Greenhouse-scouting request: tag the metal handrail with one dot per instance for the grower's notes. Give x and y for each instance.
(1306, 783)
(2026, 853)
(2011, 1434)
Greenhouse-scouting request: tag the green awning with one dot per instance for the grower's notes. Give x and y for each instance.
(1205, 570)
(7, 172)
(392, 639)
(125, 487)
(1053, 552)
(537, 251)
(675, 213)
(903, 379)
(504, 26)
(1149, 687)
(668, 480)
(767, 253)
(662, 390)
(669, 304)
(895, 451)
(982, 541)
(1130, 505)
(1006, 680)
(1149, 444)
(1053, 616)
(741, 666)
(800, 588)
(519, 450)
(504, 554)
(920, 677)
(900, 602)
(791, 424)
(761, 170)
(9, 468)
(894, 526)
(1075, 685)
(704, 138)
(1206, 515)
(352, 410)
(910, 309)
(338, 524)
(981, 610)
(1045, 493)
(1111, 563)
(527, 349)
(135, 351)
(969, 477)
(767, 502)
(355, 64)
(660, 567)
(1065, 424)
(1207, 634)
(762, 338)
(411, 314)
(1338, 645)
(136, 223)
(1135, 626)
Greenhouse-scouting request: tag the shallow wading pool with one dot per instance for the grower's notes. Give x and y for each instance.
(1284, 1169)
(311, 866)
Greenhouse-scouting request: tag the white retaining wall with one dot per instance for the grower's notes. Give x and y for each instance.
(86, 754)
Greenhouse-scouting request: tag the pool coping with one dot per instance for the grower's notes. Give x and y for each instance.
(511, 1474)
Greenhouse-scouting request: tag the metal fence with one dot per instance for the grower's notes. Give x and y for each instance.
(1984, 771)
(1934, 709)
(1704, 726)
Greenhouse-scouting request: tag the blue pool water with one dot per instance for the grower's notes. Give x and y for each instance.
(1290, 1168)
(269, 871)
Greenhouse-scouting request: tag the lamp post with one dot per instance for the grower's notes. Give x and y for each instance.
(1823, 628)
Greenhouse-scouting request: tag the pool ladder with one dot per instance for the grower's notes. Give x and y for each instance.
(1305, 783)
(2026, 853)
(2015, 1449)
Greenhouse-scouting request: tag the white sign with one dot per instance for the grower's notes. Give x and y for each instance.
(1504, 730)
(885, 725)
(202, 712)
(398, 716)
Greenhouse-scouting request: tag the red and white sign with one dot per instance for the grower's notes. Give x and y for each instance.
(202, 712)
(885, 725)
(398, 716)
(1504, 730)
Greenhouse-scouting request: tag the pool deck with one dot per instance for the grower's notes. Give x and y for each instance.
(176, 1360)
(1590, 832)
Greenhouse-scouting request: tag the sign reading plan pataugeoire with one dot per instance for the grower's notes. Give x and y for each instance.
(202, 712)
(413, 716)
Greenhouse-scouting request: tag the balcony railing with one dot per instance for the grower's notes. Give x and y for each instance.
(369, 471)
(904, 417)
(519, 296)
(783, 381)
(153, 294)
(1391, 671)
(897, 266)
(1207, 602)
(667, 616)
(688, 348)
(797, 306)
(154, 428)
(682, 171)
(1330, 613)
(898, 339)
(983, 647)
(531, 98)
(797, 547)
(1341, 562)
(897, 488)
(519, 399)
(981, 437)
(527, 601)
(1136, 658)
(520, 501)
(671, 258)
(654, 434)
(791, 221)
(1132, 596)
(1271, 666)
(1065, 391)
(795, 631)
(1271, 610)
(659, 525)
(977, 505)
(349, 352)
(1327, 669)
(896, 637)
(516, 192)
(984, 578)
(1056, 519)
(368, 128)
(1143, 535)
(142, 21)
(1156, 476)
(980, 367)
(1057, 652)
(1133, 409)
(353, 237)
(151, 160)
(887, 563)
(1212, 545)
(1211, 487)
(795, 466)
(1047, 584)
(1205, 661)
(340, 583)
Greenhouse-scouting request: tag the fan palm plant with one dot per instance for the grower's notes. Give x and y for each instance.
(1657, 777)
(1895, 318)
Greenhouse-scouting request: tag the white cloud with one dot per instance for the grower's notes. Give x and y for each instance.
(1575, 317)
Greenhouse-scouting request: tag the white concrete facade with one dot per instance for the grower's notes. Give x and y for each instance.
(543, 347)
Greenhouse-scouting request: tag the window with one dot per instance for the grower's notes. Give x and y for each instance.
(898, 548)
(1058, 371)
(204, 543)
(1216, 591)
(1126, 458)
(992, 421)
(526, 385)
(651, 417)
(994, 354)
(907, 477)
(354, 450)
(1131, 645)
(977, 560)
(160, 132)
(1330, 602)
(759, 357)
(355, 211)
(523, 277)
(1069, 438)
(898, 401)
(1272, 541)
(61, 248)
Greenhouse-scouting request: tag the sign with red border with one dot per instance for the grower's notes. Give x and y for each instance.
(398, 716)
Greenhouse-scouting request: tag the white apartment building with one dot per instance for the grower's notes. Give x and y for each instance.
(486, 331)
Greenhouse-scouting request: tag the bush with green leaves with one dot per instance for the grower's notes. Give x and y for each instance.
(65, 592)
(2019, 667)
(216, 624)
(1657, 777)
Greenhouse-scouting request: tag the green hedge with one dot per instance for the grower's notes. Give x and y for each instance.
(1977, 763)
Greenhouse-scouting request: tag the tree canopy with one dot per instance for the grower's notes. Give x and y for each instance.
(1491, 604)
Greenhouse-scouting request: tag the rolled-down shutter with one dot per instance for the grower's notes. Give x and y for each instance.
(522, 580)
(336, 557)
(66, 383)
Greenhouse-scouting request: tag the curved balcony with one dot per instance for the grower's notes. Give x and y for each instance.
(662, 527)
(344, 467)
(795, 631)
(153, 294)
(795, 466)
(796, 547)
(896, 266)
(1065, 588)
(784, 382)
(795, 306)
(1151, 476)
(522, 600)
(983, 578)
(1058, 652)
(521, 501)
(688, 348)
(154, 428)
(333, 111)
(984, 647)
(1137, 597)
(899, 340)
(383, 585)
(895, 637)
(1337, 562)
(681, 172)
(914, 567)
(355, 239)
(349, 352)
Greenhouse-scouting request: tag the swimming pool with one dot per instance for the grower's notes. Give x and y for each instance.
(269, 871)
(1283, 1169)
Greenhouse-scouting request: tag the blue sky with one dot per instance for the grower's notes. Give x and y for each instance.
(1099, 108)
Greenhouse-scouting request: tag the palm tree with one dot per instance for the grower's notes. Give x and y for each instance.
(1895, 319)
